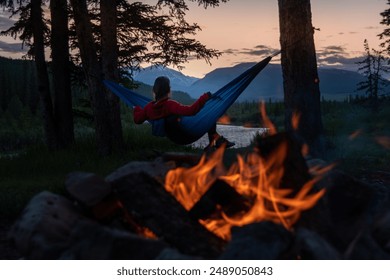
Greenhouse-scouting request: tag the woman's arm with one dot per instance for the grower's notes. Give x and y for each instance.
(139, 115)
(175, 108)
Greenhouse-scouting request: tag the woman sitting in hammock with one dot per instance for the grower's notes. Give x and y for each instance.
(163, 106)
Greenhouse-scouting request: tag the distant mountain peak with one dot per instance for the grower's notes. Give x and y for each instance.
(179, 81)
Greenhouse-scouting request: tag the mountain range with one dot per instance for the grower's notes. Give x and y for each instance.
(335, 84)
(179, 81)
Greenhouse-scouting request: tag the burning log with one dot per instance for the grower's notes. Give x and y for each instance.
(91, 241)
(257, 178)
(147, 201)
(87, 188)
(296, 172)
(219, 197)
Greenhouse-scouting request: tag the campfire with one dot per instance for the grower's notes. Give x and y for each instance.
(275, 202)
(254, 178)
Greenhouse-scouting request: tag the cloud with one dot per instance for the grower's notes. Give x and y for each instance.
(261, 47)
(259, 50)
(336, 55)
(333, 49)
(11, 47)
(255, 52)
(338, 60)
(230, 51)
(371, 27)
(5, 22)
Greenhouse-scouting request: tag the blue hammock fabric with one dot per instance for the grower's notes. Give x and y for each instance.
(187, 129)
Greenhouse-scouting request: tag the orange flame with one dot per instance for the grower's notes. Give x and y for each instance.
(140, 230)
(295, 120)
(266, 121)
(188, 185)
(256, 179)
(248, 124)
(225, 119)
(305, 150)
(384, 141)
(355, 134)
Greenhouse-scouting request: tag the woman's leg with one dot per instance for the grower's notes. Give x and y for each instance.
(216, 140)
(212, 133)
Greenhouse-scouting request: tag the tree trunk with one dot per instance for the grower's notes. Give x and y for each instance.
(110, 65)
(61, 72)
(92, 70)
(43, 78)
(299, 66)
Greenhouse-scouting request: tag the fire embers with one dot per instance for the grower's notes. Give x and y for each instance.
(272, 183)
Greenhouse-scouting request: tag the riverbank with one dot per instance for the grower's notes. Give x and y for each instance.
(242, 136)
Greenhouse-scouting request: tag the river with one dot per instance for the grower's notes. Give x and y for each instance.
(240, 135)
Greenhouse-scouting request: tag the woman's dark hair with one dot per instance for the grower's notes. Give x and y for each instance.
(161, 87)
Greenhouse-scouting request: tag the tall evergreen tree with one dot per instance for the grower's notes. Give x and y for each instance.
(385, 35)
(38, 28)
(93, 73)
(61, 72)
(299, 66)
(372, 68)
(108, 10)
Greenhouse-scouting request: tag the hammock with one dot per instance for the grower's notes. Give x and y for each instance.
(187, 129)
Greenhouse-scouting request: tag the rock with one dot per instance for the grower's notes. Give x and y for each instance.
(258, 241)
(92, 241)
(172, 254)
(181, 159)
(43, 229)
(311, 246)
(381, 231)
(156, 169)
(87, 188)
(364, 247)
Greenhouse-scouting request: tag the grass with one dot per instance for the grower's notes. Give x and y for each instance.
(351, 135)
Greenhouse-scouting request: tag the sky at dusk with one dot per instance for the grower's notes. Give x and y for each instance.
(248, 30)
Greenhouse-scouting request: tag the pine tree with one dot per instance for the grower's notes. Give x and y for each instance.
(372, 68)
(385, 35)
(59, 41)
